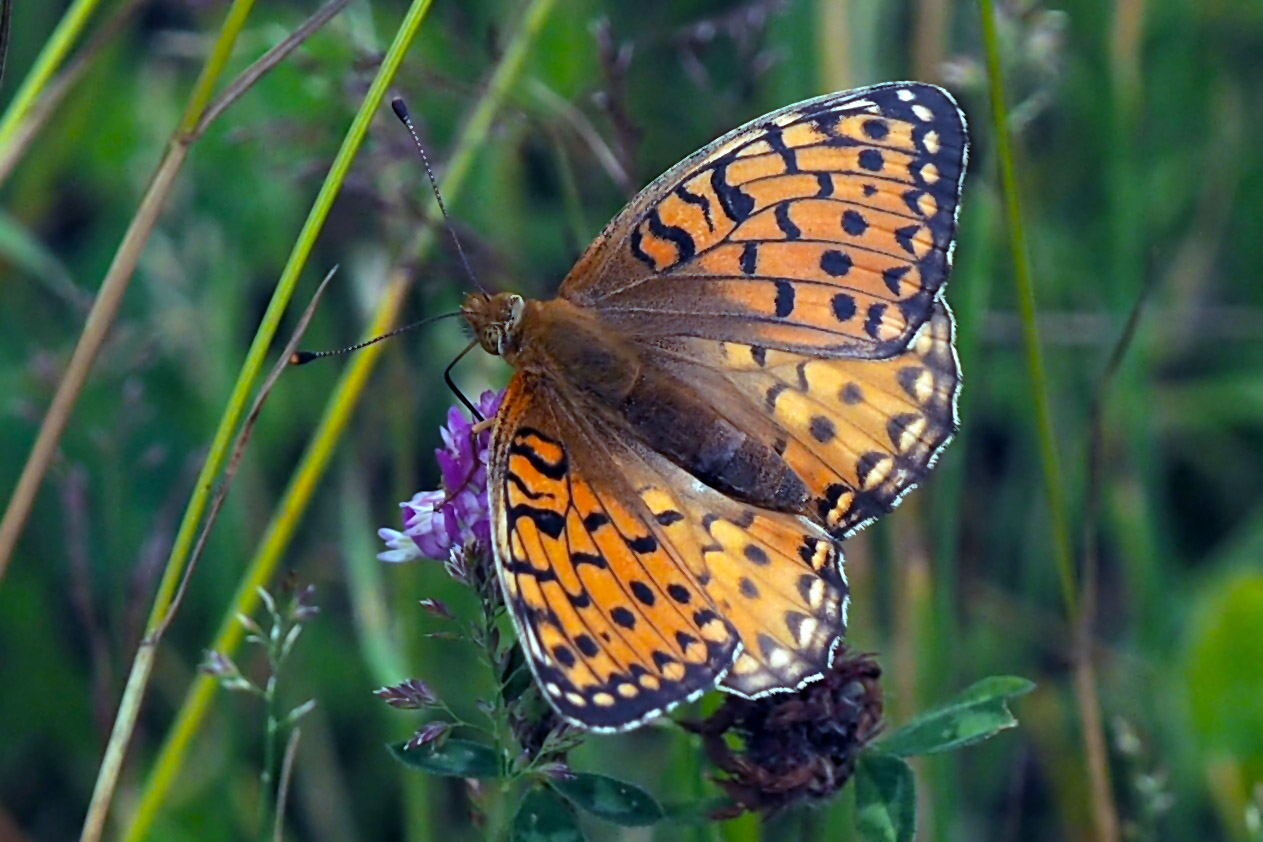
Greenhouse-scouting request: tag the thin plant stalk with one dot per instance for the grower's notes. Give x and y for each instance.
(1084, 667)
(282, 792)
(337, 411)
(46, 63)
(6, 8)
(1104, 816)
(1050, 463)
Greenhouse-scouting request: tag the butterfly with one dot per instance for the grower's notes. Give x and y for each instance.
(751, 362)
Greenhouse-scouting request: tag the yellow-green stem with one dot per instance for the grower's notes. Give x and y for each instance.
(337, 410)
(46, 64)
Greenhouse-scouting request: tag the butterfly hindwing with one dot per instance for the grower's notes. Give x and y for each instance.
(632, 587)
(859, 433)
(825, 228)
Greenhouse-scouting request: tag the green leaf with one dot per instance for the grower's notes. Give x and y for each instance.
(885, 798)
(545, 817)
(1224, 683)
(979, 712)
(611, 799)
(452, 758)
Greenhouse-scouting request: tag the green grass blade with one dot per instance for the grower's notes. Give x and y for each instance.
(46, 63)
(1049, 460)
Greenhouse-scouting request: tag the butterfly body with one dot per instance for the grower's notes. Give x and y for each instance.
(751, 362)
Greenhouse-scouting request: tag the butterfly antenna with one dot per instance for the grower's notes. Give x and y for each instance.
(301, 357)
(401, 111)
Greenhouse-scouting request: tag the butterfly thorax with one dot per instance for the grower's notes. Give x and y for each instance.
(556, 339)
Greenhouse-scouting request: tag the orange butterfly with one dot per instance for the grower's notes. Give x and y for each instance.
(752, 361)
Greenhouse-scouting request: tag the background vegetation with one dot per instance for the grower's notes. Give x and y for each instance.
(1135, 129)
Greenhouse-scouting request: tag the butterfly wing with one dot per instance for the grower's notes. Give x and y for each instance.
(859, 433)
(825, 229)
(632, 586)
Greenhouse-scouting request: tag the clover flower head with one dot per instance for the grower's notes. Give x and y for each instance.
(458, 514)
(790, 748)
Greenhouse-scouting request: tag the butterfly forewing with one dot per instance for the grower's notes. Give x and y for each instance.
(825, 228)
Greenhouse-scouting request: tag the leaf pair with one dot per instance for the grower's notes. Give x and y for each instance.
(885, 789)
(545, 815)
(547, 812)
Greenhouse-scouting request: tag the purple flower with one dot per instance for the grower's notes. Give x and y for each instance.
(435, 522)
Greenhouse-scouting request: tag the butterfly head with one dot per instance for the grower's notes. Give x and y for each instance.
(495, 320)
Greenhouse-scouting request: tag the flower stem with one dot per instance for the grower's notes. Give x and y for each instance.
(267, 787)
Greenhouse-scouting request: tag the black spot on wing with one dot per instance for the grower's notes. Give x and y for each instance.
(872, 325)
(755, 555)
(835, 263)
(623, 617)
(784, 299)
(854, 223)
(546, 521)
(773, 392)
(893, 275)
(642, 592)
(586, 645)
(876, 129)
(643, 544)
(843, 306)
(904, 236)
(871, 159)
(825, 182)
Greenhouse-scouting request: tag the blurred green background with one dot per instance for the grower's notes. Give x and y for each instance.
(1136, 127)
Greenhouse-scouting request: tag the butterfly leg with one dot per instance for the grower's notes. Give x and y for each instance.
(476, 430)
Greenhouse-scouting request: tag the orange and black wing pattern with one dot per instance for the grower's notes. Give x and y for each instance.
(823, 229)
(632, 586)
(859, 433)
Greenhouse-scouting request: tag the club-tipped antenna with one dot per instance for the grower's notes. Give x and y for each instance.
(401, 111)
(301, 357)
